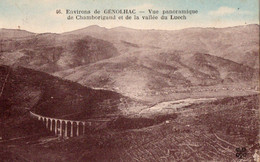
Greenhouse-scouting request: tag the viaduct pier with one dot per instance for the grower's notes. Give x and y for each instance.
(67, 128)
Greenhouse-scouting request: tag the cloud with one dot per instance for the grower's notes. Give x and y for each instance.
(222, 11)
(228, 11)
(245, 12)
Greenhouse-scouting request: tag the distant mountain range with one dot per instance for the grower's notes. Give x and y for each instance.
(54, 52)
(136, 79)
(134, 62)
(14, 33)
(239, 44)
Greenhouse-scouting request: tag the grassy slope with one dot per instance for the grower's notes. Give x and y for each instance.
(147, 74)
(54, 52)
(239, 41)
(209, 131)
(27, 89)
(14, 33)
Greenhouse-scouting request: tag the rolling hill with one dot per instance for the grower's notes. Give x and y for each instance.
(14, 33)
(25, 89)
(139, 63)
(53, 52)
(205, 132)
(137, 77)
(239, 41)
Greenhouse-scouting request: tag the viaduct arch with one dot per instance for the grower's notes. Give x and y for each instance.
(65, 128)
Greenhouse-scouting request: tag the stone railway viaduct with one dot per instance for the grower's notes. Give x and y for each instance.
(67, 128)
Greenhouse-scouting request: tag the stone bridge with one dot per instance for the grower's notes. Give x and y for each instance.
(67, 128)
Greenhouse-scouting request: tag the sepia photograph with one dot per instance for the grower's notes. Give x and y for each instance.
(129, 80)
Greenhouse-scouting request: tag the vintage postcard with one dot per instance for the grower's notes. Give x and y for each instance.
(129, 80)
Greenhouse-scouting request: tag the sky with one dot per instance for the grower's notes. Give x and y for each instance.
(40, 15)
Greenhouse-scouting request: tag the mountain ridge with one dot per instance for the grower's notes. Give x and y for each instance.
(240, 41)
(26, 89)
(142, 62)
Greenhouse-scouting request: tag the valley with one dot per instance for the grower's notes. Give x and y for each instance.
(181, 95)
(196, 135)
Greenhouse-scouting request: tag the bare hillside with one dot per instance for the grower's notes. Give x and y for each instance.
(54, 52)
(239, 44)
